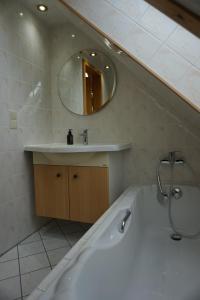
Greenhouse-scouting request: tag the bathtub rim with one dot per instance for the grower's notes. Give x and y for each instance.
(87, 241)
(125, 201)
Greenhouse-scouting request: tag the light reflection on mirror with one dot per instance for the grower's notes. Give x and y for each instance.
(87, 82)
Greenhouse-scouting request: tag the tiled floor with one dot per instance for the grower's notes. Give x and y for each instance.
(23, 267)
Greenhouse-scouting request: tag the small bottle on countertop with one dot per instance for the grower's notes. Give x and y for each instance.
(70, 138)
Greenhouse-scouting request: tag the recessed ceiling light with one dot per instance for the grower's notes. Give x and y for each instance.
(93, 54)
(107, 67)
(73, 35)
(21, 14)
(78, 57)
(42, 7)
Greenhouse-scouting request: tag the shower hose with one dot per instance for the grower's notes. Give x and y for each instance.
(171, 221)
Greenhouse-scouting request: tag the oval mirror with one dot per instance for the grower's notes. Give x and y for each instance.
(87, 82)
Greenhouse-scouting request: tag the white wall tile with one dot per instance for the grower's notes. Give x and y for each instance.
(169, 65)
(141, 43)
(157, 23)
(185, 44)
(189, 84)
(143, 120)
(133, 9)
(24, 46)
(111, 14)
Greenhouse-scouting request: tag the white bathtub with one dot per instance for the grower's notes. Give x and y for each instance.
(143, 263)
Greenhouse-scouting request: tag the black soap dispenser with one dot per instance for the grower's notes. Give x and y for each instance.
(70, 138)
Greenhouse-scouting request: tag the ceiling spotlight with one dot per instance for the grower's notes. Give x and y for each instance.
(73, 35)
(78, 57)
(93, 54)
(21, 14)
(107, 67)
(42, 7)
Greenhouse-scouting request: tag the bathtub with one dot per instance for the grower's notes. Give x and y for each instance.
(142, 263)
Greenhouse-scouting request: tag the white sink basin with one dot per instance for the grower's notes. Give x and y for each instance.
(63, 148)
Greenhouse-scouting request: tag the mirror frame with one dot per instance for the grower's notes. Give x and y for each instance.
(112, 93)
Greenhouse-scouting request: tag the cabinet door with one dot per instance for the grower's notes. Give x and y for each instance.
(51, 191)
(88, 190)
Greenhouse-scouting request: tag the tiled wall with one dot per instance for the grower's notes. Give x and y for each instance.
(150, 36)
(24, 69)
(133, 115)
(25, 89)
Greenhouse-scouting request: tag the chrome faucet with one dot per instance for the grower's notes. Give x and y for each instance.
(124, 221)
(172, 161)
(84, 135)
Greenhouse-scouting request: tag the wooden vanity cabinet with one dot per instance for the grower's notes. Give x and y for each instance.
(71, 192)
(51, 191)
(88, 193)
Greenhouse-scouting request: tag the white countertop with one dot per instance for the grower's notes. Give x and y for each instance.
(64, 148)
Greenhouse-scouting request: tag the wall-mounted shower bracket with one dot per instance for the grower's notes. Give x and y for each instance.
(170, 160)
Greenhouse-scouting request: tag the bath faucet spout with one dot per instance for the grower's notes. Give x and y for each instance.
(124, 221)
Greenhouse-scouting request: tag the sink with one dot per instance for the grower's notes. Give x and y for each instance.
(63, 148)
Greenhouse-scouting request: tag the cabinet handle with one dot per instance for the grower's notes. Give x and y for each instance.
(75, 176)
(58, 175)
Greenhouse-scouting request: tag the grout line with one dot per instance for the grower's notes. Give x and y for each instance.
(25, 238)
(163, 42)
(10, 259)
(10, 277)
(21, 257)
(45, 251)
(63, 247)
(19, 273)
(62, 231)
(36, 270)
(20, 244)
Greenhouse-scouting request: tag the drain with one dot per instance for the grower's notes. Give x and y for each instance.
(176, 237)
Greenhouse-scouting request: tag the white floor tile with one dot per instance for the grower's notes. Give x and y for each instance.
(30, 248)
(51, 231)
(33, 262)
(31, 280)
(55, 243)
(74, 237)
(10, 255)
(56, 255)
(9, 269)
(32, 238)
(10, 288)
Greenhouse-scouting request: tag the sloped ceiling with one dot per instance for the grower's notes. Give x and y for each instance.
(164, 48)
